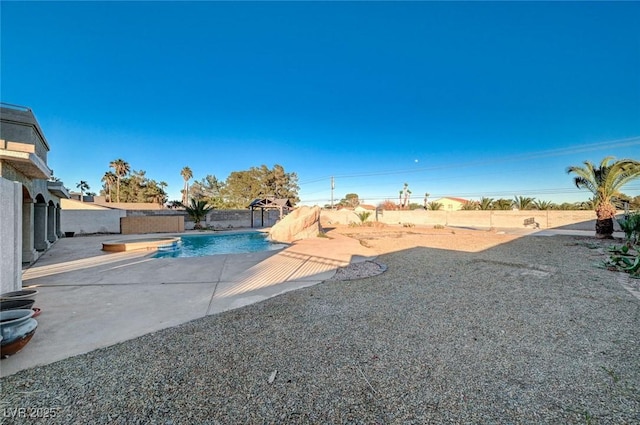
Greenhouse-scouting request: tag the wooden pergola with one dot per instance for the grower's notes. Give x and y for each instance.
(281, 204)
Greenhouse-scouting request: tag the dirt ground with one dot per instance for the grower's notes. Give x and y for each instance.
(384, 239)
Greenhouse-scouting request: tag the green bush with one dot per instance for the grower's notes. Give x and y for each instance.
(631, 228)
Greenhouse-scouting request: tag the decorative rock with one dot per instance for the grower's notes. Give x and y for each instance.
(301, 223)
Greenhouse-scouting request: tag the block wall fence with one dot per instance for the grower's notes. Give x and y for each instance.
(151, 224)
(83, 221)
(551, 219)
(109, 221)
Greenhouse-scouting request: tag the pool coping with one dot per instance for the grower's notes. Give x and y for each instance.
(140, 244)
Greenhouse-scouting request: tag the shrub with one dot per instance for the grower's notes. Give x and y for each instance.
(363, 216)
(631, 228)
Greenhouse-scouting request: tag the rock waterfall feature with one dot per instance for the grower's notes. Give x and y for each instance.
(301, 223)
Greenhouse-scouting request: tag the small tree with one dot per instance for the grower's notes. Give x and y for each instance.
(198, 211)
(363, 216)
(350, 200)
(605, 182)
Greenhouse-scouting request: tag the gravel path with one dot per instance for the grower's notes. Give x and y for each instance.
(525, 332)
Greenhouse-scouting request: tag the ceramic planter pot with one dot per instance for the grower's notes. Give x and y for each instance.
(16, 328)
(18, 295)
(16, 304)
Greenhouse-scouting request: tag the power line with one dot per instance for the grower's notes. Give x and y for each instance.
(626, 142)
(493, 193)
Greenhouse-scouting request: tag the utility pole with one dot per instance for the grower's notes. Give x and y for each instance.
(333, 186)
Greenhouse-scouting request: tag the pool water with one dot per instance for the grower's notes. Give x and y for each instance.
(234, 243)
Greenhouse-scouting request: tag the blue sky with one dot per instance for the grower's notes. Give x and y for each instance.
(455, 99)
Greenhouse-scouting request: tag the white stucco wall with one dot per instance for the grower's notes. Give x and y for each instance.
(10, 236)
(91, 221)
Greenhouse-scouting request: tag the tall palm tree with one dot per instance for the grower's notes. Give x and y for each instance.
(406, 193)
(109, 180)
(186, 175)
(121, 168)
(605, 182)
(83, 186)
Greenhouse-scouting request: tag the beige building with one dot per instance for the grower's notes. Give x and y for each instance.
(29, 201)
(452, 204)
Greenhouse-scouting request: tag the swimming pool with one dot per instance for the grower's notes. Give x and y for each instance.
(232, 243)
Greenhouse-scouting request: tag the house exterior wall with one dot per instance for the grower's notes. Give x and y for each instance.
(91, 221)
(29, 206)
(10, 235)
(449, 204)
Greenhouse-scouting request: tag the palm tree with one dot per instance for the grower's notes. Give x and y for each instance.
(121, 168)
(502, 204)
(83, 185)
(435, 206)
(542, 205)
(522, 202)
(407, 194)
(605, 182)
(186, 175)
(485, 203)
(363, 216)
(470, 206)
(198, 211)
(109, 179)
(426, 198)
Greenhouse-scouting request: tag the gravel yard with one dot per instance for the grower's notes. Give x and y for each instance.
(462, 327)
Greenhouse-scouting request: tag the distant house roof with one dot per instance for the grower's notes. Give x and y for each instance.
(366, 207)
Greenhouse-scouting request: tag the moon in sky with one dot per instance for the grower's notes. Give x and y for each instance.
(415, 160)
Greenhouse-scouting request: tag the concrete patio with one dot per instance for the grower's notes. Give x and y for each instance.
(92, 299)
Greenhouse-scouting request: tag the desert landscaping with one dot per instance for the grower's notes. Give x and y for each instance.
(464, 326)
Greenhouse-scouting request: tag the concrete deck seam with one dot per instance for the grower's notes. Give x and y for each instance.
(215, 288)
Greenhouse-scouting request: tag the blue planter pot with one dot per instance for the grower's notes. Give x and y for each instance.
(19, 295)
(16, 328)
(25, 304)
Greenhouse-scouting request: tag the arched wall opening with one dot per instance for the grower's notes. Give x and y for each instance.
(40, 210)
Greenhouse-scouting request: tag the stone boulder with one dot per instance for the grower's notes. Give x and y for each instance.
(301, 223)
